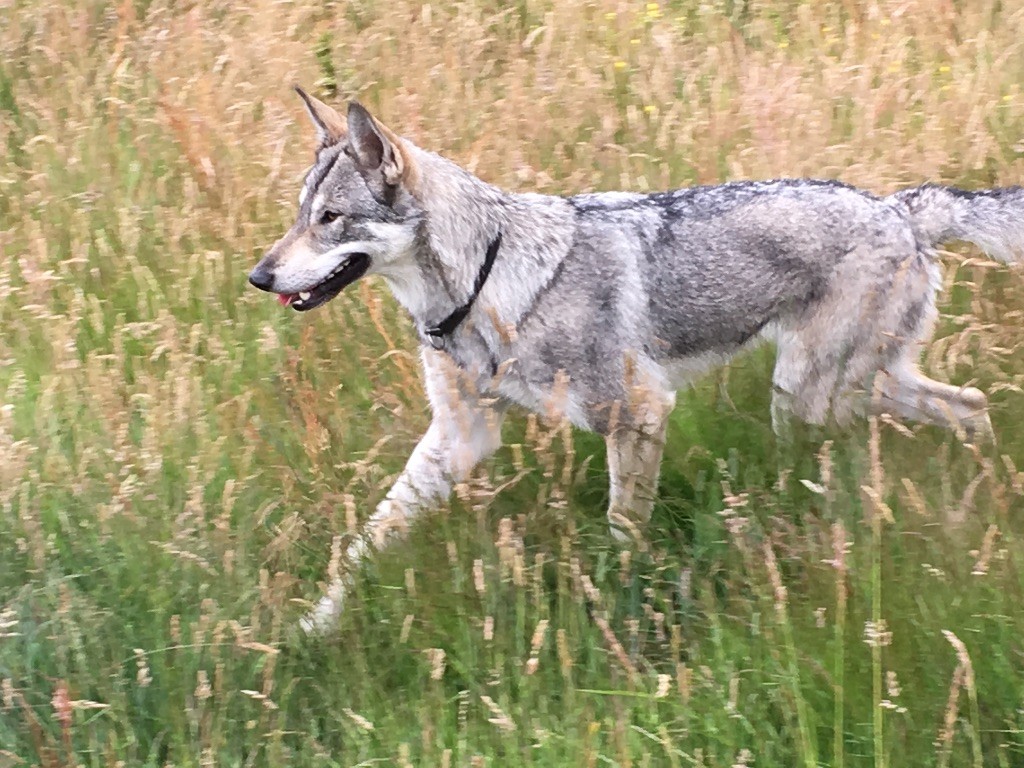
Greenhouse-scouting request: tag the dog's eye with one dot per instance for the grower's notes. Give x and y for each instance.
(328, 216)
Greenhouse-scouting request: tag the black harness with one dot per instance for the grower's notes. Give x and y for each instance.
(438, 334)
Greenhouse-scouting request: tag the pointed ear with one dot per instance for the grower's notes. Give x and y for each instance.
(375, 147)
(330, 126)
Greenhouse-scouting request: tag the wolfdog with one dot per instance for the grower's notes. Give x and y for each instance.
(596, 308)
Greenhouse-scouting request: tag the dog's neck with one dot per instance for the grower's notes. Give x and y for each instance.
(462, 217)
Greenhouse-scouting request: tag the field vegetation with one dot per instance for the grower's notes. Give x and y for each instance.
(181, 460)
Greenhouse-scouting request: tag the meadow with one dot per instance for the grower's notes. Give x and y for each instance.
(181, 460)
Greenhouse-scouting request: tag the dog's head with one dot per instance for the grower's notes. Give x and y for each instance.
(357, 211)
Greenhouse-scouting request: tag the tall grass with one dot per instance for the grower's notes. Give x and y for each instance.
(178, 457)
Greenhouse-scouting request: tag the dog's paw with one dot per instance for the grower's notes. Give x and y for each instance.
(325, 616)
(979, 430)
(625, 532)
(620, 535)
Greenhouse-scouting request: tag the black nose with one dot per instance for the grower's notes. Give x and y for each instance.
(262, 278)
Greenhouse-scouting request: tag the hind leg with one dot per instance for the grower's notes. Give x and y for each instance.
(869, 329)
(796, 402)
(782, 416)
(784, 411)
(911, 394)
(798, 394)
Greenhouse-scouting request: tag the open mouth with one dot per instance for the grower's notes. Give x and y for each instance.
(343, 275)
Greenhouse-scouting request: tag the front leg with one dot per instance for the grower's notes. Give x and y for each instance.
(465, 429)
(634, 463)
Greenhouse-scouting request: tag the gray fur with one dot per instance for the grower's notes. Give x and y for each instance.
(600, 306)
(989, 218)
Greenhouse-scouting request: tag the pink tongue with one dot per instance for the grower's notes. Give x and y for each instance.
(284, 299)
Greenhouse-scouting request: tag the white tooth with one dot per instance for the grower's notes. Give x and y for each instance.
(303, 295)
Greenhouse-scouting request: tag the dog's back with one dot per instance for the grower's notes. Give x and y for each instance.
(720, 264)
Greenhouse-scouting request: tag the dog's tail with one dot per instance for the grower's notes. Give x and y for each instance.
(992, 219)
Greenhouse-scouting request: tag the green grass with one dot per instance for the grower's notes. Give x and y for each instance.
(177, 454)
